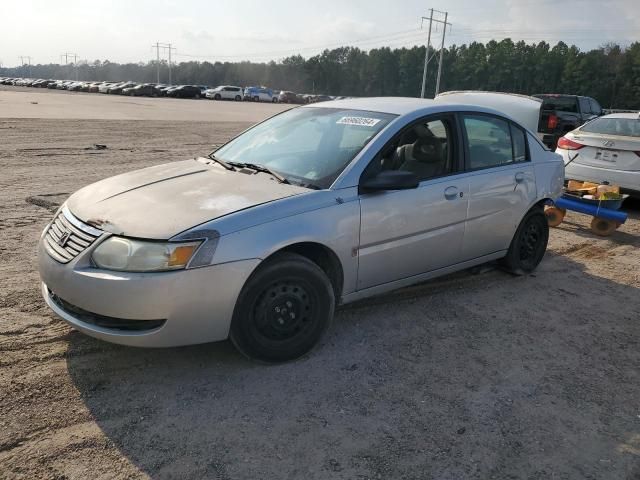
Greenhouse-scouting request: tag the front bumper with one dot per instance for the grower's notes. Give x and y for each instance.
(185, 307)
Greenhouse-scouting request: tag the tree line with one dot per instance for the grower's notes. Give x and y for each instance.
(611, 73)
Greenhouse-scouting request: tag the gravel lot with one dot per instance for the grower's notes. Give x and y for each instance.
(475, 375)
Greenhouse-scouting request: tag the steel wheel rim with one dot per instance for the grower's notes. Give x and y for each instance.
(530, 241)
(285, 310)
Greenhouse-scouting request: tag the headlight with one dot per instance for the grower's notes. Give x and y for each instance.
(126, 255)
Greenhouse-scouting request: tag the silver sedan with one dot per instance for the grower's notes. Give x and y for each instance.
(320, 205)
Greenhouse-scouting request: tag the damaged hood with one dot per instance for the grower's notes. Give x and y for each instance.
(162, 201)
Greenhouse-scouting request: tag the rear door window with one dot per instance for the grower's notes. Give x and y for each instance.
(585, 106)
(596, 109)
(493, 142)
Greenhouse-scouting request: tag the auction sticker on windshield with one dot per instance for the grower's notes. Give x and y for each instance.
(360, 121)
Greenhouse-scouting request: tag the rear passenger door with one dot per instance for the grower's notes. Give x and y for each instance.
(501, 182)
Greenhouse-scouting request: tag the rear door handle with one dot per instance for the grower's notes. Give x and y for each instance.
(451, 193)
(520, 177)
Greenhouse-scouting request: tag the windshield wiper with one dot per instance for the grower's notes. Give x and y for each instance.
(221, 162)
(261, 168)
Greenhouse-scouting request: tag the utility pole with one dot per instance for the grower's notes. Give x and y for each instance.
(164, 46)
(428, 58)
(28, 62)
(66, 56)
(444, 31)
(426, 55)
(157, 46)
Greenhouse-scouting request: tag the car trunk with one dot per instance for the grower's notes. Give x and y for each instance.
(606, 151)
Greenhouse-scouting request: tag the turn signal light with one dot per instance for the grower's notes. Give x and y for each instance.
(567, 144)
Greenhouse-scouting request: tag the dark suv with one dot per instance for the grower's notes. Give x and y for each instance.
(563, 113)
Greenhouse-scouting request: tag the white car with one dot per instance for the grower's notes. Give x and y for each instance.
(225, 92)
(606, 149)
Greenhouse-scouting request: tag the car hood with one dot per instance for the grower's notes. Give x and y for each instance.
(162, 201)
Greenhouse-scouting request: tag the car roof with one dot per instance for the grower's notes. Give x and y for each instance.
(393, 105)
(401, 105)
(630, 115)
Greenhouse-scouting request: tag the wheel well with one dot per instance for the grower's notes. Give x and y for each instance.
(541, 204)
(325, 258)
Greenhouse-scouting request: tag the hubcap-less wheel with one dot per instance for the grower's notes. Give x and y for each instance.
(529, 243)
(283, 310)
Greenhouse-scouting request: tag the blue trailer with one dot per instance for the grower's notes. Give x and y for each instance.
(606, 217)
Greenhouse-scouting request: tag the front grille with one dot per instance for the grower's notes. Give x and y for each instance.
(104, 321)
(67, 237)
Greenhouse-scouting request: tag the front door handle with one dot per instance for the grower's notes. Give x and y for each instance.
(520, 177)
(451, 193)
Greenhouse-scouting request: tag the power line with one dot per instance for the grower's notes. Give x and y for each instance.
(393, 35)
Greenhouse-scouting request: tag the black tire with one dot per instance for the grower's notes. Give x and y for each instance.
(529, 244)
(256, 99)
(217, 97)
(238, 98)
(283, 310)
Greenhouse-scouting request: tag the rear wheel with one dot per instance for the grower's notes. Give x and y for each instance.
(529, 244)
(283, 310)
(256, 99)
(238, 98)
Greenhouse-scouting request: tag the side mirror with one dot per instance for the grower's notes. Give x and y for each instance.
(390, 180)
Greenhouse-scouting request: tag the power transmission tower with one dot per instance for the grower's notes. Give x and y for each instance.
(428, 58)
(28, 62)
(164, 46)
(75, 60)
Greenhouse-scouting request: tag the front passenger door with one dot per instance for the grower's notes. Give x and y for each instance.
(409, 232)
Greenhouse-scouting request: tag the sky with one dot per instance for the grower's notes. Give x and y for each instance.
(227, 30)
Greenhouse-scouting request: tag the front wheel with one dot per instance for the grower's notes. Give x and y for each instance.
(529, 244)
(283, 310)
(238, 98)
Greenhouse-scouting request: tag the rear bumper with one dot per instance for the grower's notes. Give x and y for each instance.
(627, 180)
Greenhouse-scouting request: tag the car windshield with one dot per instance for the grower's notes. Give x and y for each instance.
(307, 145)
(625, 127)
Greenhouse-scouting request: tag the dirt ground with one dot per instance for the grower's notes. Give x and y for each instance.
(478, 375)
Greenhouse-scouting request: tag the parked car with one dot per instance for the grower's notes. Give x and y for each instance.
(564, 113)
(104, 88)
(184, 91)
(606, 149)
(144, 90)
(94, 87)
(259, 94)
(289, 97)
(163, 90)
(314, 207)
(117, 89)
(225, 92)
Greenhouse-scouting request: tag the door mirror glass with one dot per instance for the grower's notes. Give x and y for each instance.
(391, 180)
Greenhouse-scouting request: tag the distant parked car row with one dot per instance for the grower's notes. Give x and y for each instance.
(134, 89)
